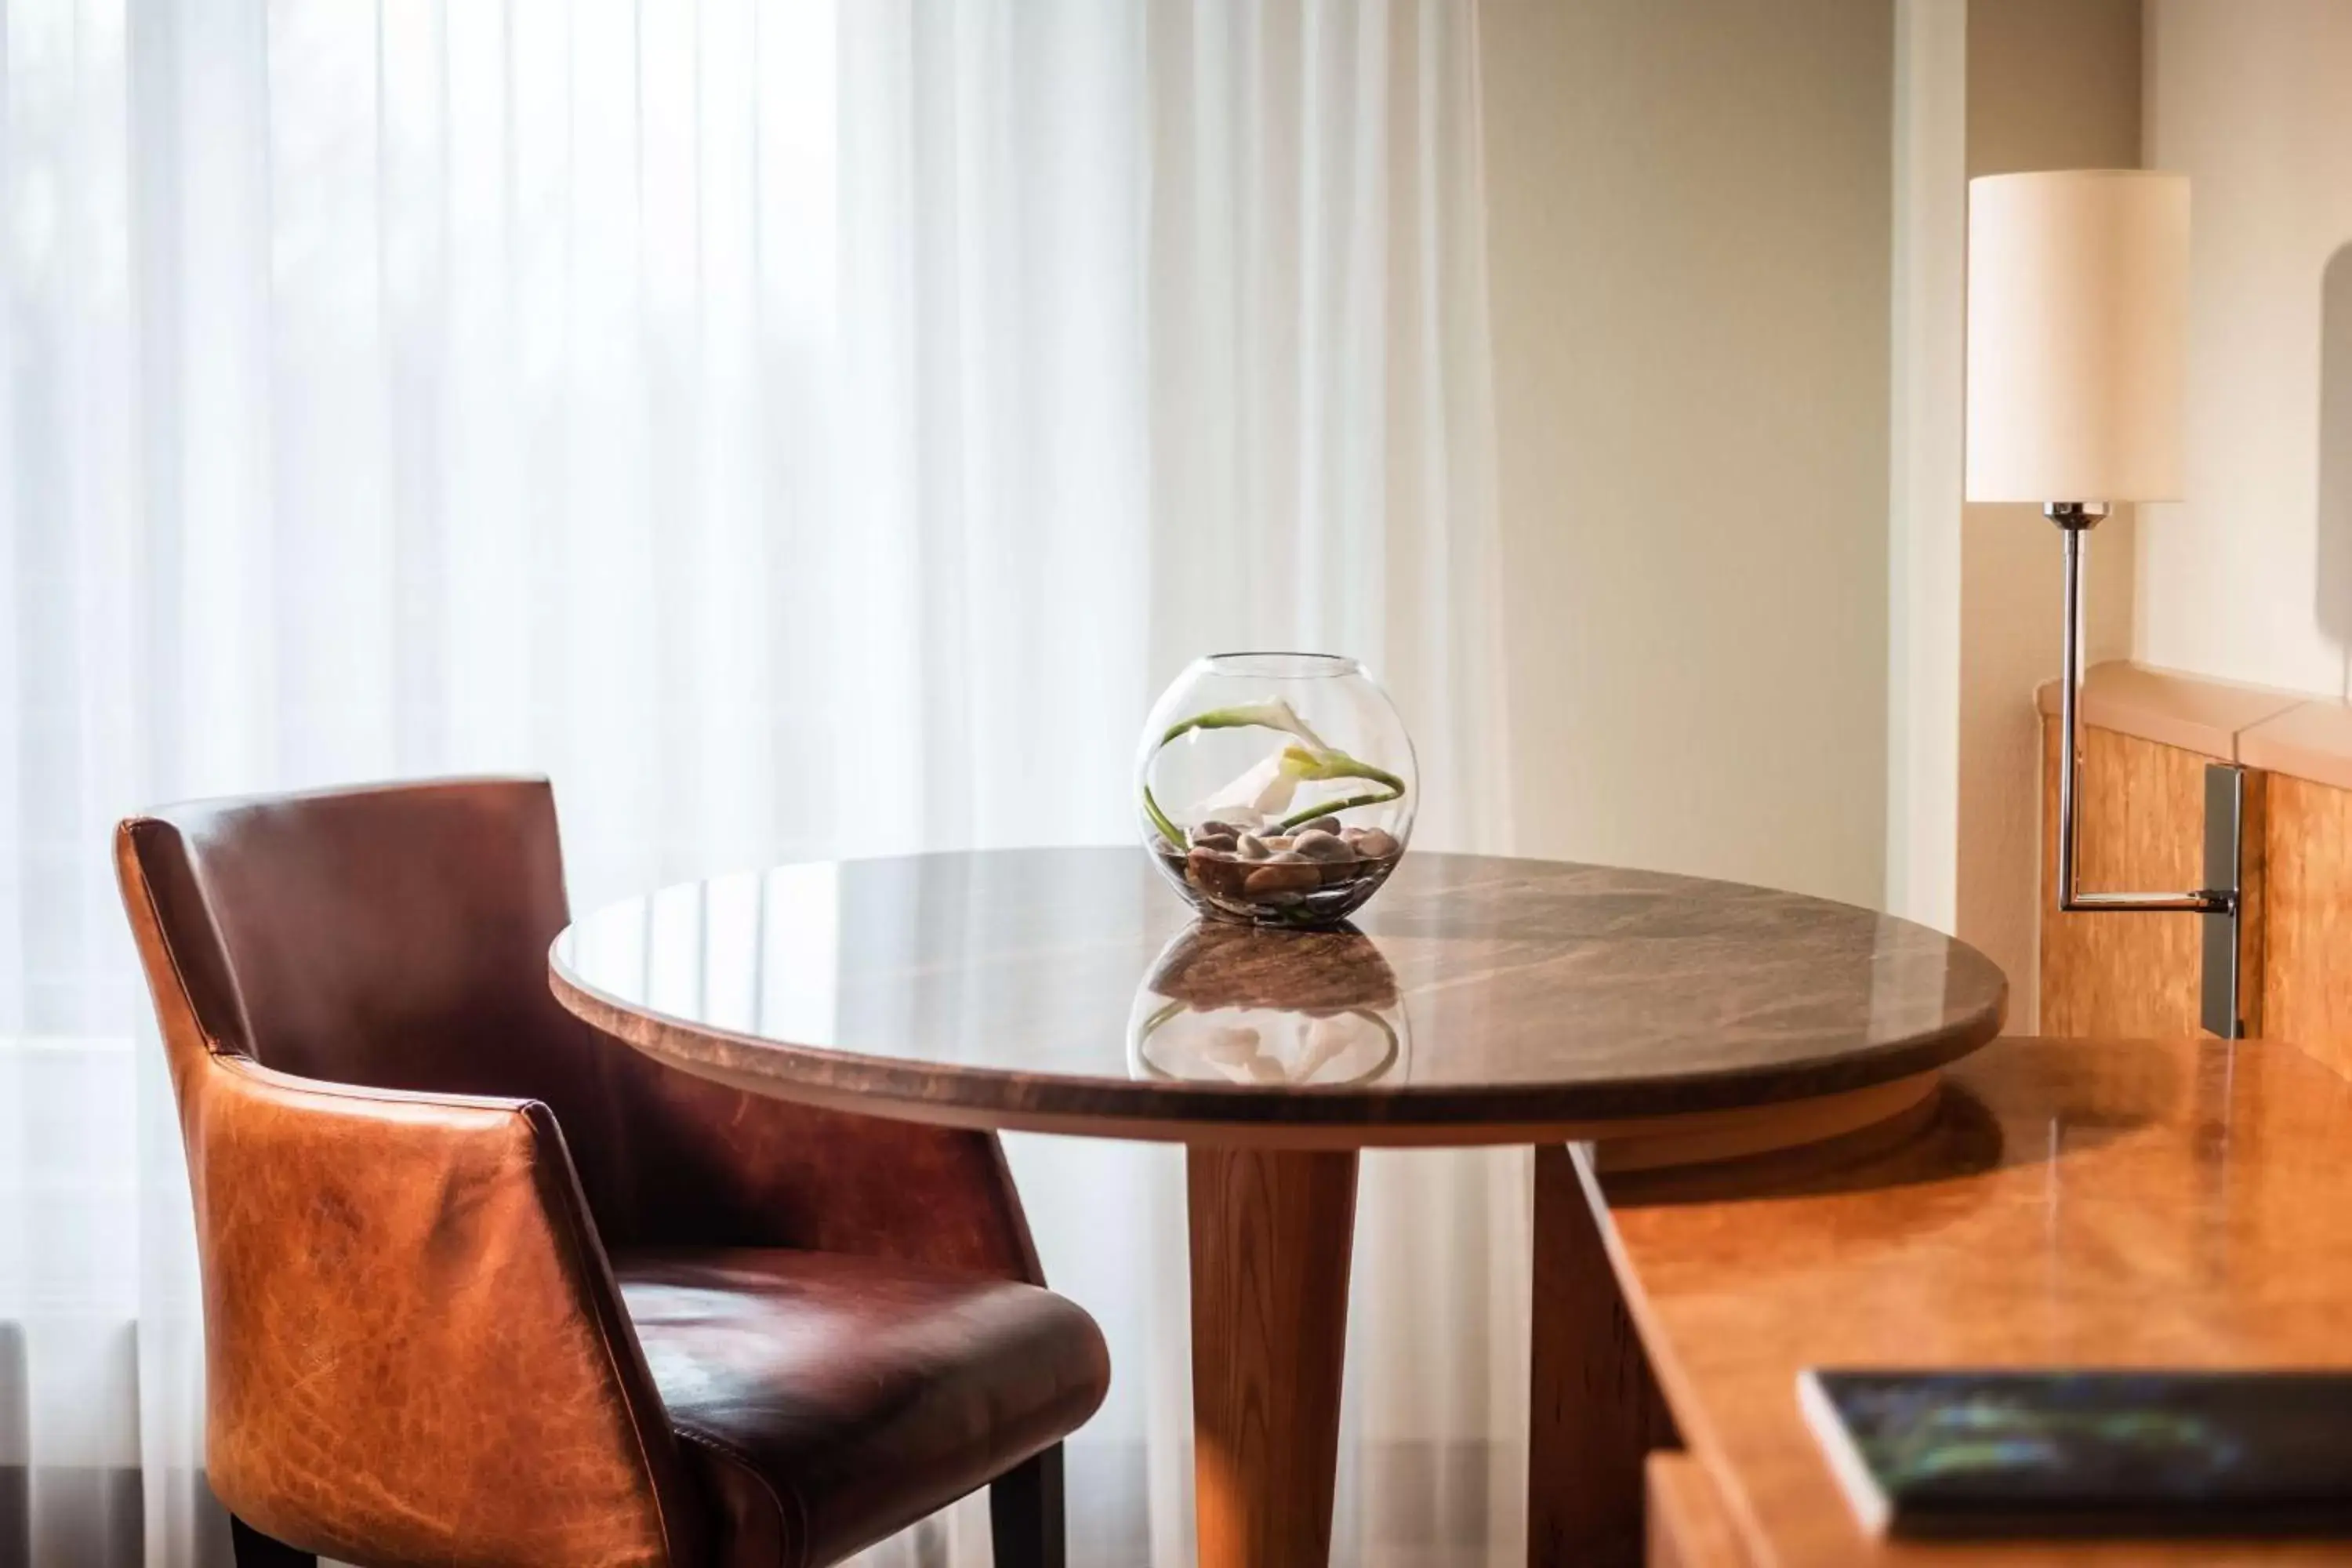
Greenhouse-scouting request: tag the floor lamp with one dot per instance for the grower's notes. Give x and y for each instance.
(2078, 305)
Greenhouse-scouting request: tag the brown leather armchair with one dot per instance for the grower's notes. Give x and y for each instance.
(485, 1287)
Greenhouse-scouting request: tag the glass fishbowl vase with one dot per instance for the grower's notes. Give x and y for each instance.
(1276, 789)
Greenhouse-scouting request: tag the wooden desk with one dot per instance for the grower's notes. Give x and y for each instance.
(2071, 1202)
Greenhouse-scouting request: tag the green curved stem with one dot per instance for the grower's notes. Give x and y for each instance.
(1150, 1026)
(1385, 1028)
(1168, 829)
(1333, 807)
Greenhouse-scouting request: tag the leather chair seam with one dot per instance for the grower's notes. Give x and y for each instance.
(163, 933)
(794, 1515)
(268, 1077)
(562, 1212)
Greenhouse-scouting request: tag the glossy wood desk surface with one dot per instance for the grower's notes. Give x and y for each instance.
(1067, 990)
(2065, 1203)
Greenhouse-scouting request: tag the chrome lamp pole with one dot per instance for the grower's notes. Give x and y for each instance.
(2220, 900)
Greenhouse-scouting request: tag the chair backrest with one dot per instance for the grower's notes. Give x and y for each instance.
(397, 937)
(414, 1346)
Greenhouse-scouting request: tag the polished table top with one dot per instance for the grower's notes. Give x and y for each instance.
(2063, 1203)
(1067, 990)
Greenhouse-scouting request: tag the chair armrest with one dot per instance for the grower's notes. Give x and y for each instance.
(415, 1347)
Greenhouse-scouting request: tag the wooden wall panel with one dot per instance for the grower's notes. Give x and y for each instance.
(2308, 981)
(2129, 975)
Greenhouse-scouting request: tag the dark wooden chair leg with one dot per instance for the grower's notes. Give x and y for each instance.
(255, 1549)
(1025, 1513)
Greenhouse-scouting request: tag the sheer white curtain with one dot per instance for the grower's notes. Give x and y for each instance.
(801, 428)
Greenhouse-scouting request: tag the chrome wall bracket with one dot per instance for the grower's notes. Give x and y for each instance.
(2219, 1012)
(2220, 899)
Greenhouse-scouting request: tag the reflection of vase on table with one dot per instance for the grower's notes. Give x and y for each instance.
(1225, 1004)
(1275, 788)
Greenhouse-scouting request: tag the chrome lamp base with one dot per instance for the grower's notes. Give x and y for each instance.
(2221, 900)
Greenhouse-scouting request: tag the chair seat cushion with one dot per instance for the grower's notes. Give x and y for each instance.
(828, 1401)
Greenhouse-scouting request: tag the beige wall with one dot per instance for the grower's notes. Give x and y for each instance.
(1689, 229)
(2250, 577)
(2052, 84)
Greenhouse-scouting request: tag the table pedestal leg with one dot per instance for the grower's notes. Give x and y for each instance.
(1272, 1232)
(1594, 1409)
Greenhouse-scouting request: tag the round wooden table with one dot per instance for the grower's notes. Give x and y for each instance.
(1477, 1001)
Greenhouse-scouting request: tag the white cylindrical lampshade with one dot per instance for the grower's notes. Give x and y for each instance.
(2078, 321)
